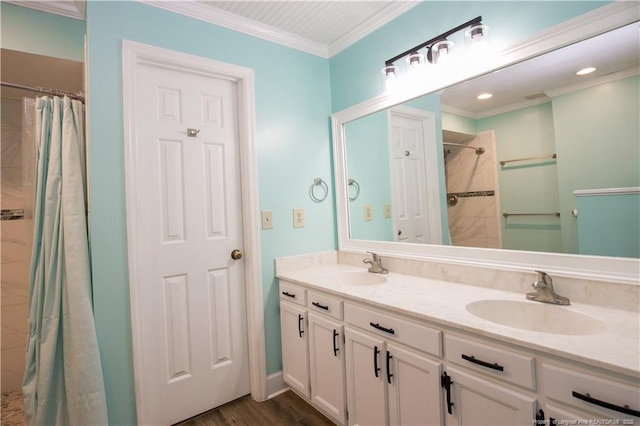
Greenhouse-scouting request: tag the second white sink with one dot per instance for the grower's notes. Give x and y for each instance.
(536, 316)
(355, 278)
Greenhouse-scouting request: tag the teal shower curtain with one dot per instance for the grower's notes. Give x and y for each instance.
(63, 382)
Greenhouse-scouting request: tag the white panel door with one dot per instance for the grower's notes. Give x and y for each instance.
(415, 397)
(295, 351)
(416, 213)
(366, 389)
(326, 359)
(481, 402)
(194, 332)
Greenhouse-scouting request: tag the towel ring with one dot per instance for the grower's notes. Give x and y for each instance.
(356, 185)
(323, 185)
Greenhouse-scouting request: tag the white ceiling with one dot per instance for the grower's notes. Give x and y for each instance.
(320, 27)
(334, 24)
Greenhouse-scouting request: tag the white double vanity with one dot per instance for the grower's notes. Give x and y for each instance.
(435, 344)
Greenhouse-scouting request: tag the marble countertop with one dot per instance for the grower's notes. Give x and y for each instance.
(617, 348)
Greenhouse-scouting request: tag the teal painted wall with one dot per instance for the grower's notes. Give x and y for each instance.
(527, 187)
(293, 142)
(456, 123)
(368, 163)
(598, 142)
(355, 72)
(609, 225)
(32, 31)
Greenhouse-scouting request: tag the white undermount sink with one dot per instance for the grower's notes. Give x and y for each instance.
(355, 278)
(536, 316)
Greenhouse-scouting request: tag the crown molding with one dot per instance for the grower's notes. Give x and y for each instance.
(69, 9)
(234, 22)
(609, 78)
(370, 25)
(494, 111)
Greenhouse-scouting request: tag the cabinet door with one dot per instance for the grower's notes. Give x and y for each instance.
(326, 357)
(414, 387)
(480, 402)
(366, 389)
(295, 353)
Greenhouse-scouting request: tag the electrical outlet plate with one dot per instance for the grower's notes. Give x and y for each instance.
(387, 211)
(267, 219)
(298, 218)
(368, 212)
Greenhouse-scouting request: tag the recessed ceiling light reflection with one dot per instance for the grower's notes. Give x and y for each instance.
(585, 71)
(484, 96)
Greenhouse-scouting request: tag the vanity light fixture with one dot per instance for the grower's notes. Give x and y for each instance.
(438, 50)
(585, 71)
(483, 96)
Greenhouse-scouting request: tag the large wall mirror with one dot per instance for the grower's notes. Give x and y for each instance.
(548, 164)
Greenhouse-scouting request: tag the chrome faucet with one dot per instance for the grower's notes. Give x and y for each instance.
(375, 264)
(544, 291)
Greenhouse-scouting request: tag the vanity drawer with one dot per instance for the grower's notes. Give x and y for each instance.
(293, 293)
(324, 304)
(411, 334)
(590, 392)
(495, 361)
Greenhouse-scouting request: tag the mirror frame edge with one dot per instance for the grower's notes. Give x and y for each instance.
(599, 268)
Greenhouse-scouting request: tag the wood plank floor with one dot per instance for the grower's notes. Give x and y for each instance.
(283, 410)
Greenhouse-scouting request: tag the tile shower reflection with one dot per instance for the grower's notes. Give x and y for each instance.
(474, 219)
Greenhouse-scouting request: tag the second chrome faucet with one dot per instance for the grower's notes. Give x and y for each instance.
(375, 264)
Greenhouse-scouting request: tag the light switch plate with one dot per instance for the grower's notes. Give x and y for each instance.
(368, 212)
(298, 218)
(267, 219)
(387, 211)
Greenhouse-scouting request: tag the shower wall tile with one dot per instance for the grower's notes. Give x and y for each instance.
(14, 244)
(14, 326)
(11, 192)
(476, 207)
(12, 368)
(15, 276)
(11, 145)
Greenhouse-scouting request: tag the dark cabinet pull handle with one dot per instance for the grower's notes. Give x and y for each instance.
(300, 330)
(540, 418)
(389, 375)
(446, 382)
(286, 293)
(335, 343)
(588, 398)
(376, 369)
(318, 305)
(552, 421)
(494, 366)
(379, 327)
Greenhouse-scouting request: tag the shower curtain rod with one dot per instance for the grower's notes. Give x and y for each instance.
(39, 89)
(478, 151)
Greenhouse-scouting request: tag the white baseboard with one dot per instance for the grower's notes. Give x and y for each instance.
(276, 385)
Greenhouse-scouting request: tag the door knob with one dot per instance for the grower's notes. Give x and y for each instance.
(236, 254)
